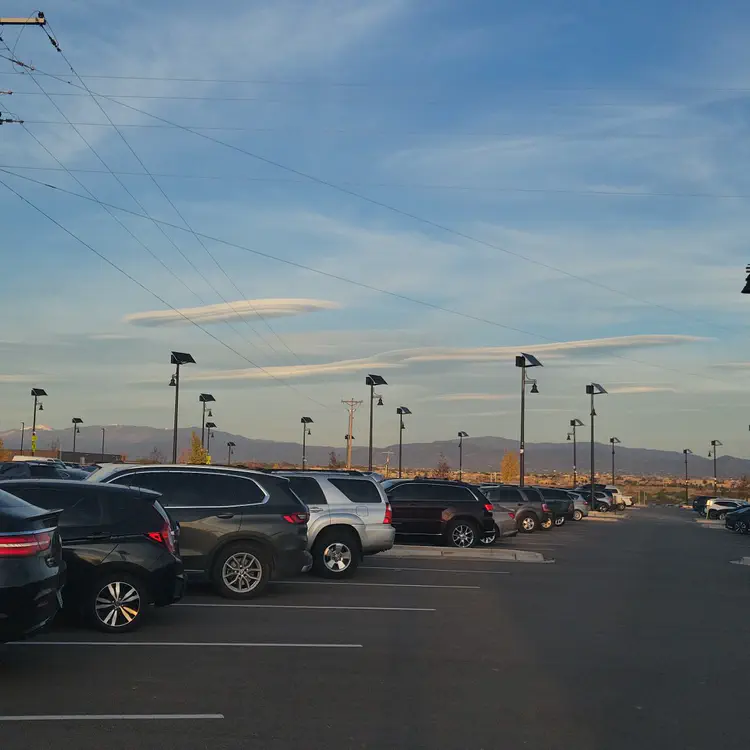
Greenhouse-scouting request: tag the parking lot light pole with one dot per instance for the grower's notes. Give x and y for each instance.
(23, 433)
(372, 381)
(36, 393)
(686, 452)
(177, 359)
(401, 411)
(575, 423)
(714, 445)
(76, 429)
(593, 389)
(523, 361)
(305, 432)
(461, 436)
(230, 444)
(613, 441)
(209, 434)
(205, 398)
(103, 432)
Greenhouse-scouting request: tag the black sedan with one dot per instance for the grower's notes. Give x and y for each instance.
(739, 520)
(119, 545)
(32, 571)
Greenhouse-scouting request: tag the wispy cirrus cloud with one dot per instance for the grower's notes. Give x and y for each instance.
(238, 310)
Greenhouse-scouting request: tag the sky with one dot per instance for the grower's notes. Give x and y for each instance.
(301, 192)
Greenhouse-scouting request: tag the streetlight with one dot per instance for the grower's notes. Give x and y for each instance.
(37, 393)
(613, 441)
(23, 432)
(523, 361)
(103, 432)
(305, 432)
(76, 429)
(204, 399)
(686, 452)
(401, 410)
(177, 359)
(230, 444)
(593, 389)
(461, 436)
(209, 426)
(575, 423)
(372, 381)
(714, 445)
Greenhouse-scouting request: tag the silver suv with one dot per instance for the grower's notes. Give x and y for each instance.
(350, 517)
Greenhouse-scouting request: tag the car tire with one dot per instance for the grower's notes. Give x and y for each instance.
(711, 516)
(489, 539)
(336, 553)
(462, 534)
(560, 521)
(602, 507)
(241, 570)
(577, 515)
(116, 602)
(547, 523)
(528, 523)
(741, 527)
(722, 516)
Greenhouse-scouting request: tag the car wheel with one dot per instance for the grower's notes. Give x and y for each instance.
(741, 527)
(722, 516)
(547, 523)
(602, 507)
(560, 520)
(490, 539)
(462, 534)
(336, 554)
(528, 523)
(116, 603)
(577, 515)
(241, 571)
(711, 516)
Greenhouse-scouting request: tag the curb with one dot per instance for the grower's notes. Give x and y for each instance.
(606, 518)
(712, 524)
(497, 555)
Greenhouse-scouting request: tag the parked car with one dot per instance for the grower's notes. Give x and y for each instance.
(350, 517)
(699, 503)
(33, 470)
(718, 507)
(560, 505)
(580, 505)
(32, 571)
(238, 528)
(530, 509)
(119, 546)
(739, 520)
(454, 512)
(505, 524)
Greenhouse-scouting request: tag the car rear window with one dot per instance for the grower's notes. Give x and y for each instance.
(357, 490)
(8, 500)
(308, 490)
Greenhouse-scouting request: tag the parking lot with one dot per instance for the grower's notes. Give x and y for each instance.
(622, 639)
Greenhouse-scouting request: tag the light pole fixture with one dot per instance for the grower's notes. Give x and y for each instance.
(461, 436)
(76, 429)
(37, 393)
(177, 359)
(523, 361)
(209, 434)
(593, 389)
(305, 421)
(401, 410)
(103, 433)
(575, 423)
(230, 444)
(686, 452)
(372, 381)
(714, 445)
(613, 441)
(205, 398)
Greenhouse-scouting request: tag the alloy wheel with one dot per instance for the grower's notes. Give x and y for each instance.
(337, 557)
(741, 527)
(577, 515)
(462, 535)
(559, 521)
(117, 604)
(528, 524)
(242, 572)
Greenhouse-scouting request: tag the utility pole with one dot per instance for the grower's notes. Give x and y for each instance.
(352, 405)
(387, 455)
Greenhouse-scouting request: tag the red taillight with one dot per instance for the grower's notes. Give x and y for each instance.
(388, 514)
(165, 537)
(296, 517)
(25, 545)
(511, 514)
(545, 507)
(488, 507)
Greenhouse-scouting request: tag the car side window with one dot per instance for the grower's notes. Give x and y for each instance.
(409, 491)
(357, 490)
(451, 494)
(505, 495)
(308, 490)
(80, 507)
(15, 471)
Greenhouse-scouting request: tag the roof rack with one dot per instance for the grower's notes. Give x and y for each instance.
(349, 472)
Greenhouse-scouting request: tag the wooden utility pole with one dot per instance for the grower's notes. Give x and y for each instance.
(352, 405)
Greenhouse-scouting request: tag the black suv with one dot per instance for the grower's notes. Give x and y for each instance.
(454, 512)
(32, 470)
(532, 512)
(560, 504)
(119, 546)
(238, 528)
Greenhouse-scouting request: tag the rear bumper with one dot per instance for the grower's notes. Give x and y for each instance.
(378, 539)
(25, 610)
(168, 586)
(292, 563)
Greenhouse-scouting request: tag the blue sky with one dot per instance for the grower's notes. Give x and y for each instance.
(582, 157)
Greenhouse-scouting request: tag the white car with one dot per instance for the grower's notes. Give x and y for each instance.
(718, 507)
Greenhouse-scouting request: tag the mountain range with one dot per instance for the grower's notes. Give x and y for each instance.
(480, 454)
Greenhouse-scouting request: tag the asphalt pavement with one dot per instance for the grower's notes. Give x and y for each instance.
(632, 637)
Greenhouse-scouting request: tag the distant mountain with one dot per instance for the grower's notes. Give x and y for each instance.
(480, 454)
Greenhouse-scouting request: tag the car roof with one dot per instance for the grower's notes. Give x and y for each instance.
(68, 483)
(110, 469)
(322, 473)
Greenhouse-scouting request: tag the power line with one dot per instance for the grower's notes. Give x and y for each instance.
(360, 284)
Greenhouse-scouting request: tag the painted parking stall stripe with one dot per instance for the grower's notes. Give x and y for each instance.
(184, 644)
(362, 583)
(433, 570)
(112, 717)
(304, 606)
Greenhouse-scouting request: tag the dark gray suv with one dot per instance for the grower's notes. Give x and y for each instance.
(532, 512)
(238, 528)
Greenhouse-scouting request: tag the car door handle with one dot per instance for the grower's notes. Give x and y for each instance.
(225, 515)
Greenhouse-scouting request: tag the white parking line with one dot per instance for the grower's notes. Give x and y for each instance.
(111, 717)
(359, 583)
(435, 570)
(307, 606)
(203, 644)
